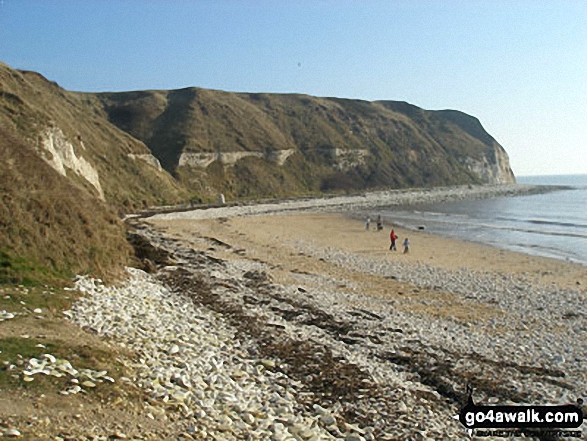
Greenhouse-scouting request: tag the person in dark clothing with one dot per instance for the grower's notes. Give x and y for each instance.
(406, 245)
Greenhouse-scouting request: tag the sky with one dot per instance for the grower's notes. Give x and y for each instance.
(519, 66)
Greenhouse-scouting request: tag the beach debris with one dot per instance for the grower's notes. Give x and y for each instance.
(208, 353)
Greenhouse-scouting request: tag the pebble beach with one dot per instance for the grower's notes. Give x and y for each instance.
(291, 322)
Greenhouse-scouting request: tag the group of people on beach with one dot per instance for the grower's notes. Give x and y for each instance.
(379, 226)
(392, 236)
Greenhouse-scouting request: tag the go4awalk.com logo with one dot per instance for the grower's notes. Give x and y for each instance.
(506, 421)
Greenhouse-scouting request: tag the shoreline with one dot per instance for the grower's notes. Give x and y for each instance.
(302, 325)
(337, 203)
(359, 206)
(422, 324)
(388, 223)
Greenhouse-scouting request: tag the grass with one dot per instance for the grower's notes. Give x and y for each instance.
(28, 343)
(14, 298)
(16, 351)
(49, 228)
(22, 301)
(18, 270)
(52, 226)
(408, 146)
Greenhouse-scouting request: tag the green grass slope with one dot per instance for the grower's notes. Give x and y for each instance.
(53, 226)
(30, 104)
(50, 229)
(70, 160)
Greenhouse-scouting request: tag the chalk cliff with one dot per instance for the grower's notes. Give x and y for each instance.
(275, 145)
(94, 155)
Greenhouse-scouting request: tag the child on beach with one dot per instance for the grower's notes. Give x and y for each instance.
(393, 238)
(367, 223)
(406, 245)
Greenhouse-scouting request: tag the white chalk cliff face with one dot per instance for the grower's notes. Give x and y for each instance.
(203, 159)
(494, 168)
(343, 159)
(59, 153)
(148, 158)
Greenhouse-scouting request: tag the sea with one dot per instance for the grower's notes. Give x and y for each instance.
(552, 224)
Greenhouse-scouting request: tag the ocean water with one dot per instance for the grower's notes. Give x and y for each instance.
(552, 224)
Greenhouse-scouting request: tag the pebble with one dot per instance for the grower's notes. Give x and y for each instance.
(12, 433)
(193, 362)
(369, 199)
(48, 364)
(214, 377)
(327, 420)
(522, 318)
(5, 315)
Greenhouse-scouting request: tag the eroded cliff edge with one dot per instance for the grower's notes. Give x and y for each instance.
(98, 155)
(251, 145)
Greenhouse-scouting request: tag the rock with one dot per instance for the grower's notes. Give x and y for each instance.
(4, 315)
(149, 266)
(328, 420)
(401, 407)
(12, 433)
(248, 418)
(218, 368)
(268, 363)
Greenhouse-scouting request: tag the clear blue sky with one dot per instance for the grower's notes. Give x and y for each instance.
(520, 66)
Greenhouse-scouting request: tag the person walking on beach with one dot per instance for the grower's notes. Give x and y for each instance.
(367, 223)
(393, 238)
(406, 245)
(379, 223)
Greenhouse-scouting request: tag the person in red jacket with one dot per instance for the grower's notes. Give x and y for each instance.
(393, 238)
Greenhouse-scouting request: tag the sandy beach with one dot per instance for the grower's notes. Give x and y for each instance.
(426, 323)
(273, 238)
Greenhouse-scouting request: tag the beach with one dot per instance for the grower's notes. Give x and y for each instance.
(274, 238)
(370, 343)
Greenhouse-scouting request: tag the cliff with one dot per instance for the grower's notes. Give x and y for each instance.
(269, 144)
(112, 153)
(65, 174)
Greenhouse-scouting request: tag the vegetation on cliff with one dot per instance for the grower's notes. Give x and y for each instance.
(71, 163)
(334, 144)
